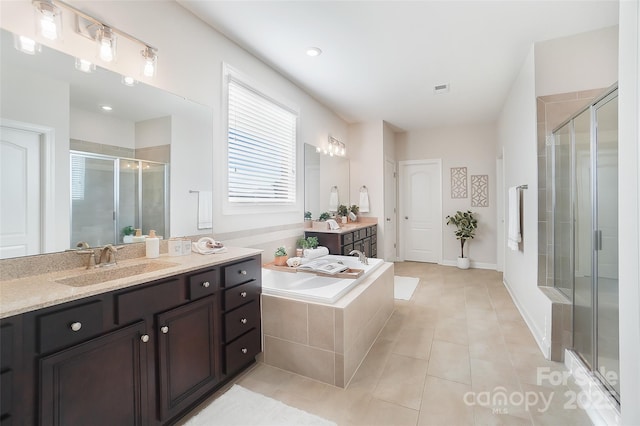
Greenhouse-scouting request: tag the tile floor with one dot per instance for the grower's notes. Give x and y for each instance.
(460, 338)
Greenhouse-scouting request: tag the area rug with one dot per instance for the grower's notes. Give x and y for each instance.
(404, 287)
(242, 407)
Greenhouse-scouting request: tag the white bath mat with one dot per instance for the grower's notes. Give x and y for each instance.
(241, 407)
(404, 286)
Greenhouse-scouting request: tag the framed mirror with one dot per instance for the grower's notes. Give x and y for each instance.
(326, 181)
(59, 108)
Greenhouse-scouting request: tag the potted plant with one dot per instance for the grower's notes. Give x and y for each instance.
(127, 233)
(343, 212)
(324, 216)
(466, 226)
(281, 257)
(321, 224)
(312, 242)
(307, 215)
(353, 212)
(301, 244)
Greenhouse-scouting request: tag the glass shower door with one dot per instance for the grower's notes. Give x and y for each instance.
(606, 241)
(93, 200)
(562, 222)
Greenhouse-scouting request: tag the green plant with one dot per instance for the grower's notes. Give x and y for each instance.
(312, 242)
(343, 210)
(281, 251)
(355, 209)
(128, 230)
(307, 215)
(324, 216)
(466, 226)
(301, 243)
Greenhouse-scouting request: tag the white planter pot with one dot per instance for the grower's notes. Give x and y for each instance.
(464, 262)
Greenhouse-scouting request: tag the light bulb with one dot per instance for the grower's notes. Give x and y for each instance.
(106, 54)
(107, 41)
(128, 81)
(150, 62)
(48, 27)
(84, 65)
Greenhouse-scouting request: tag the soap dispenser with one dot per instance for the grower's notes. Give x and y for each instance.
(152, 245)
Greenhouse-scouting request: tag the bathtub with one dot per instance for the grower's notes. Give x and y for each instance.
(313, 288)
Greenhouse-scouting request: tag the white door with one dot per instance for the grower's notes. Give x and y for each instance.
(389, 210)
(20, 232)
(421, 210)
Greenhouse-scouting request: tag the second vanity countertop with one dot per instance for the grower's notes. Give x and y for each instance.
(22, 295)
(344, 228)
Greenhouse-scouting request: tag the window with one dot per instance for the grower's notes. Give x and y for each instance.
(261, 147)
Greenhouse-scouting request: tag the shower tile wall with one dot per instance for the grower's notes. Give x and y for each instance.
(552, 110)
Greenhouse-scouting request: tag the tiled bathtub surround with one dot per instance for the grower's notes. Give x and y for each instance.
(323, 342)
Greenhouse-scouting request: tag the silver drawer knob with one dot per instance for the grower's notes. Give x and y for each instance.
(76, 326)
(244, 350)
(243, 320)
(164, 329)
(243, 272)
(206, 284)
(144, 338)
(243, 294)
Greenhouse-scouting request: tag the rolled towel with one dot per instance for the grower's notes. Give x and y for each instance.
(333, 224)
(317, 252)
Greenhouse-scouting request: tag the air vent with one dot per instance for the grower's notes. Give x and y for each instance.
(441, 88)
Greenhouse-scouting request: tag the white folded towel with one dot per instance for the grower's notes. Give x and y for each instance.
(205, 210)
(514, 236)
(364, 200)
(333, 200)
(316, 252)
(333, 224)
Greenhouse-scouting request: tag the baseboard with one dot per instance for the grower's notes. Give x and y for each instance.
(474, 265)
(537, 336)
(593, 397)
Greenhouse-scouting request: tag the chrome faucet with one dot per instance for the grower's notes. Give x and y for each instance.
(361, 256)
(85, 249)
(108, 255)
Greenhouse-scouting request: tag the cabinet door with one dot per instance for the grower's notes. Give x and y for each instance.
(100, 382)
(188, 354)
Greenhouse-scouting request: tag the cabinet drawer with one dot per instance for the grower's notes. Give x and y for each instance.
(6, 391)
(69, 326)
(6, 348)
(242, 351)
(374, 230)
(136, 304)
(241, 272)
(241, 294)
(347, 249)
(241, 320)
(356, 235)
(347, 238)
(203, 284)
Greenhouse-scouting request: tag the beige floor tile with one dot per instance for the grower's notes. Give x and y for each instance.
(452, 330)
(490, 351)
(443, 403)
(414, 341)
(384, 413)
(450, 361)
(402, 381)
(492, 373)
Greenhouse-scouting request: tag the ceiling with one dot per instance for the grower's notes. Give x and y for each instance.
(382, 59)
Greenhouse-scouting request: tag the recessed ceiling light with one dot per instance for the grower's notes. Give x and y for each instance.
(106, 107)
(313, 51)
(128, 81)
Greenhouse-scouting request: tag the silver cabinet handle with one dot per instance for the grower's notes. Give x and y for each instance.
(144, 338)
(243, 294)
(164, 329)
(244, 350)
(206, 284)
(243, 320)
(243, 272)
(76, 326)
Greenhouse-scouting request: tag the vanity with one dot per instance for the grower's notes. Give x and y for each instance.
(142, 349)
(361, 236)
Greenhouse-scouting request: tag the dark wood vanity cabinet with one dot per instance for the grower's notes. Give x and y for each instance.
(143, 355)
(364, 239)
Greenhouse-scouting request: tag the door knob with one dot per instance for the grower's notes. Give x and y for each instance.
(144, 338)
(406, 217)
(388, 219)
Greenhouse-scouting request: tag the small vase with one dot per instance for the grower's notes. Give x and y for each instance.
(464, 262)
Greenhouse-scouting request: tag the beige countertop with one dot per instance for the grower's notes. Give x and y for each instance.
(39, 291)
(348, 227)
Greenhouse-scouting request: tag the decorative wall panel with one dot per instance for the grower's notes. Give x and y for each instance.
(479, 190)
(458, 182)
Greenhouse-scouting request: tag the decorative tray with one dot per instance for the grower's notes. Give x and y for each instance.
(350, 273)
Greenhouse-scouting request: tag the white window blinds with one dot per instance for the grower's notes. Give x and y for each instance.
(261, 148)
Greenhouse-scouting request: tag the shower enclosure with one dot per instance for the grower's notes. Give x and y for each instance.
(585, 232)
(110, 193)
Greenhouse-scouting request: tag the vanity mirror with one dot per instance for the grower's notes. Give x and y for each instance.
(49, 108)
(322, 175)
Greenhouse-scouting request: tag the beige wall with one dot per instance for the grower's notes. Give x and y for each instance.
(473, 147)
